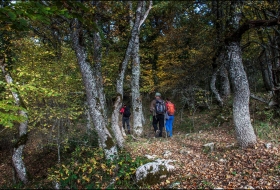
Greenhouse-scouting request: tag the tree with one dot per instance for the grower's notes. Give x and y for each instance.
(139, 19)
(135, 86)
(241, 116)
(23, 129)
(89, 75)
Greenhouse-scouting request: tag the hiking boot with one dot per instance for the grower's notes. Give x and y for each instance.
(128, 132)
(157, 132)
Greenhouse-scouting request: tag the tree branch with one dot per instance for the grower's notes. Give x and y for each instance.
(252, 24)
(259, 98)
(145, 15)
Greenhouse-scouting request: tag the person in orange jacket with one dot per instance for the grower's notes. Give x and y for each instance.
(170, 109)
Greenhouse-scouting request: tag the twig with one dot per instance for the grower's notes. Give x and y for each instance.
(3, 130)
(134, 138)
(258, 98)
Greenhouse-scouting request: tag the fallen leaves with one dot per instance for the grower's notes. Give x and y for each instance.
(227, 166)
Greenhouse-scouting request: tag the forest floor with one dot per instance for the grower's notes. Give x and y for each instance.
(226, 166)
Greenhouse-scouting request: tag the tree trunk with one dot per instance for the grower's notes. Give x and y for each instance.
(139, 19)
(135, 91)
(241, 94)
(23, 136)
(225, 84)
(97, 56)
(276, 68)
(214, 89)
(93, 93)
(266, 69)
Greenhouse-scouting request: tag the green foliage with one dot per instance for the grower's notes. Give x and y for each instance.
(266, 131)
(88, 168)
(9, 113)
(206, 185)
(50, 88)
(186, 126)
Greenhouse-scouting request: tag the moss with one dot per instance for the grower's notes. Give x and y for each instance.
(109, 128)
(22, 140)
(137, 127)
(97, 100)
(151, 169)
(154, 178)
(109, 143)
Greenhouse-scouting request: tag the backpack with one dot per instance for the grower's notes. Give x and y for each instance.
(126, 112)
(122, 110)
(170, 108)
(160, 107)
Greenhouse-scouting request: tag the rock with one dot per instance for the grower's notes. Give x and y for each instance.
(230, 145)
(218, 188)
(209, 146)
(150, 157)
(272, 103)
(222, 160)
(184, 151)
(167, 154)
(174, 184)
(248, 187)
(162, 176)
(152, 172)
(268, 145)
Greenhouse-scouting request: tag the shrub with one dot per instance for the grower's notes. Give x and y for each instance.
(88, 168)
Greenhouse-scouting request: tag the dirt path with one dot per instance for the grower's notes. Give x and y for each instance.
(227, 166)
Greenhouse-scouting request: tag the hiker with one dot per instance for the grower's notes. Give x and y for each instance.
(170, 111)
(158, 109)
(125, 117)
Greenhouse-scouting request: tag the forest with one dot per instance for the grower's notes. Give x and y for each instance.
(68, 67)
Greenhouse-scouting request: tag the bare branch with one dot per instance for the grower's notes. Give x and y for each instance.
(259, 98)
(252, 24)
(145, 15)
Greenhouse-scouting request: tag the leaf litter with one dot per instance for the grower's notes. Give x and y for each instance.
(226, 166)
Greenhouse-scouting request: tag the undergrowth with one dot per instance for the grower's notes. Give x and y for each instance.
(87, 168)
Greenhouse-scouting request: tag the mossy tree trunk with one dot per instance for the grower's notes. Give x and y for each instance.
(93, 89)
(17, 160)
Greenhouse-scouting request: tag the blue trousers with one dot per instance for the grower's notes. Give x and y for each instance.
(169, 124)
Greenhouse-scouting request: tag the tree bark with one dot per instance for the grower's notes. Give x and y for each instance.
(241, 94)
(136, 70)
(266, 70)
(97, 56)
(135, 91)
(214, 89)
(23, 129)
(92, 92)
(225, 84)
